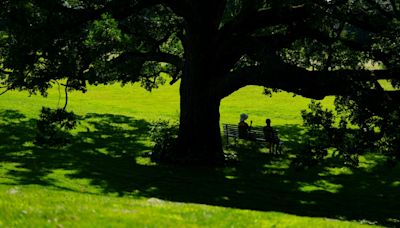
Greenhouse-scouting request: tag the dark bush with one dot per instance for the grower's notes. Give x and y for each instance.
(164, 135)
(324, 133)
(53, 127)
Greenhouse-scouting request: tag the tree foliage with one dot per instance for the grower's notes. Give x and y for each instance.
(53, 126)
(310, 48)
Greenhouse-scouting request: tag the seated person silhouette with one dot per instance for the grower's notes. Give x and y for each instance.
(271, 137)
(243, 127)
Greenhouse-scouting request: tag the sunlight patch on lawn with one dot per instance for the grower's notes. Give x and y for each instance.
(370, 161)
(276, 167)
(146, 161)
(64, 179)
(231, 177)
(320, 185)
(336, 171)
(396, 184)
(6, 171)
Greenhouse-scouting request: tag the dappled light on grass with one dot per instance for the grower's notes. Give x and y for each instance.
(336, 171)
(320, 185)
(330, 187)
(108, 157)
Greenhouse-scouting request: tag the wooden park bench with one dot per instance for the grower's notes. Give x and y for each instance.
(257, 135)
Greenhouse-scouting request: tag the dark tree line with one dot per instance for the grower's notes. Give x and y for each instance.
(214, 47)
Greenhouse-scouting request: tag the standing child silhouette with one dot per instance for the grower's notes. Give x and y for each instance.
(271, 137)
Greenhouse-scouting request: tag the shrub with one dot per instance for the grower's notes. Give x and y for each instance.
(164, 136)
(322, 134)
(53, 126)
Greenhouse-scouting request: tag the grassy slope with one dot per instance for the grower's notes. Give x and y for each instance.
(79, 185)
(20, 207)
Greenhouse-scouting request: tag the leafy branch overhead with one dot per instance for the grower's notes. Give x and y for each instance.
(108, 41)
(214, 47)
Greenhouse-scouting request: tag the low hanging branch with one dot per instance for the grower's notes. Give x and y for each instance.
(5, 91)
(66, 95)
(66, 86)
(66, 98)
(151, 56)
(311, 84)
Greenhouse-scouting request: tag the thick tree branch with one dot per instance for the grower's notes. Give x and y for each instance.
(231, 50)
(154, 56)
(311, 84)
(5, 91)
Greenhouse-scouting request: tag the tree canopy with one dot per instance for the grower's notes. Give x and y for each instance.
(215, 47)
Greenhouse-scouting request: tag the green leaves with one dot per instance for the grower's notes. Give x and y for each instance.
(104, 34)
(316, 117)
(53, 127)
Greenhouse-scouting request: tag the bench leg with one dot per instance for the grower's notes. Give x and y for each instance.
(274, 148)
(228, 143)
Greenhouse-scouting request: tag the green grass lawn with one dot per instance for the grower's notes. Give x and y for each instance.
(104, 178)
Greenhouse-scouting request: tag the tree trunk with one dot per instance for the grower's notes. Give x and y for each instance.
(199, 139)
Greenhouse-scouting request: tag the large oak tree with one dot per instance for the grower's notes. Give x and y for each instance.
(214, 47)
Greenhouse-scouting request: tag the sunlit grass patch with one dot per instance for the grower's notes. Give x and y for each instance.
(105, 176)
(35, 206)
(320, 185)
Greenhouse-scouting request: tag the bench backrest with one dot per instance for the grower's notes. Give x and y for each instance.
(232, 130)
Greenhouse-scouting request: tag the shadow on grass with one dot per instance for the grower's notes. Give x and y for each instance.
(108, 150)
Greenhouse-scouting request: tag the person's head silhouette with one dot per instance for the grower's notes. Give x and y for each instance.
(268, 122)
(243, 117)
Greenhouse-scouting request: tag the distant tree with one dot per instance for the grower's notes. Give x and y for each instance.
(214, 47)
